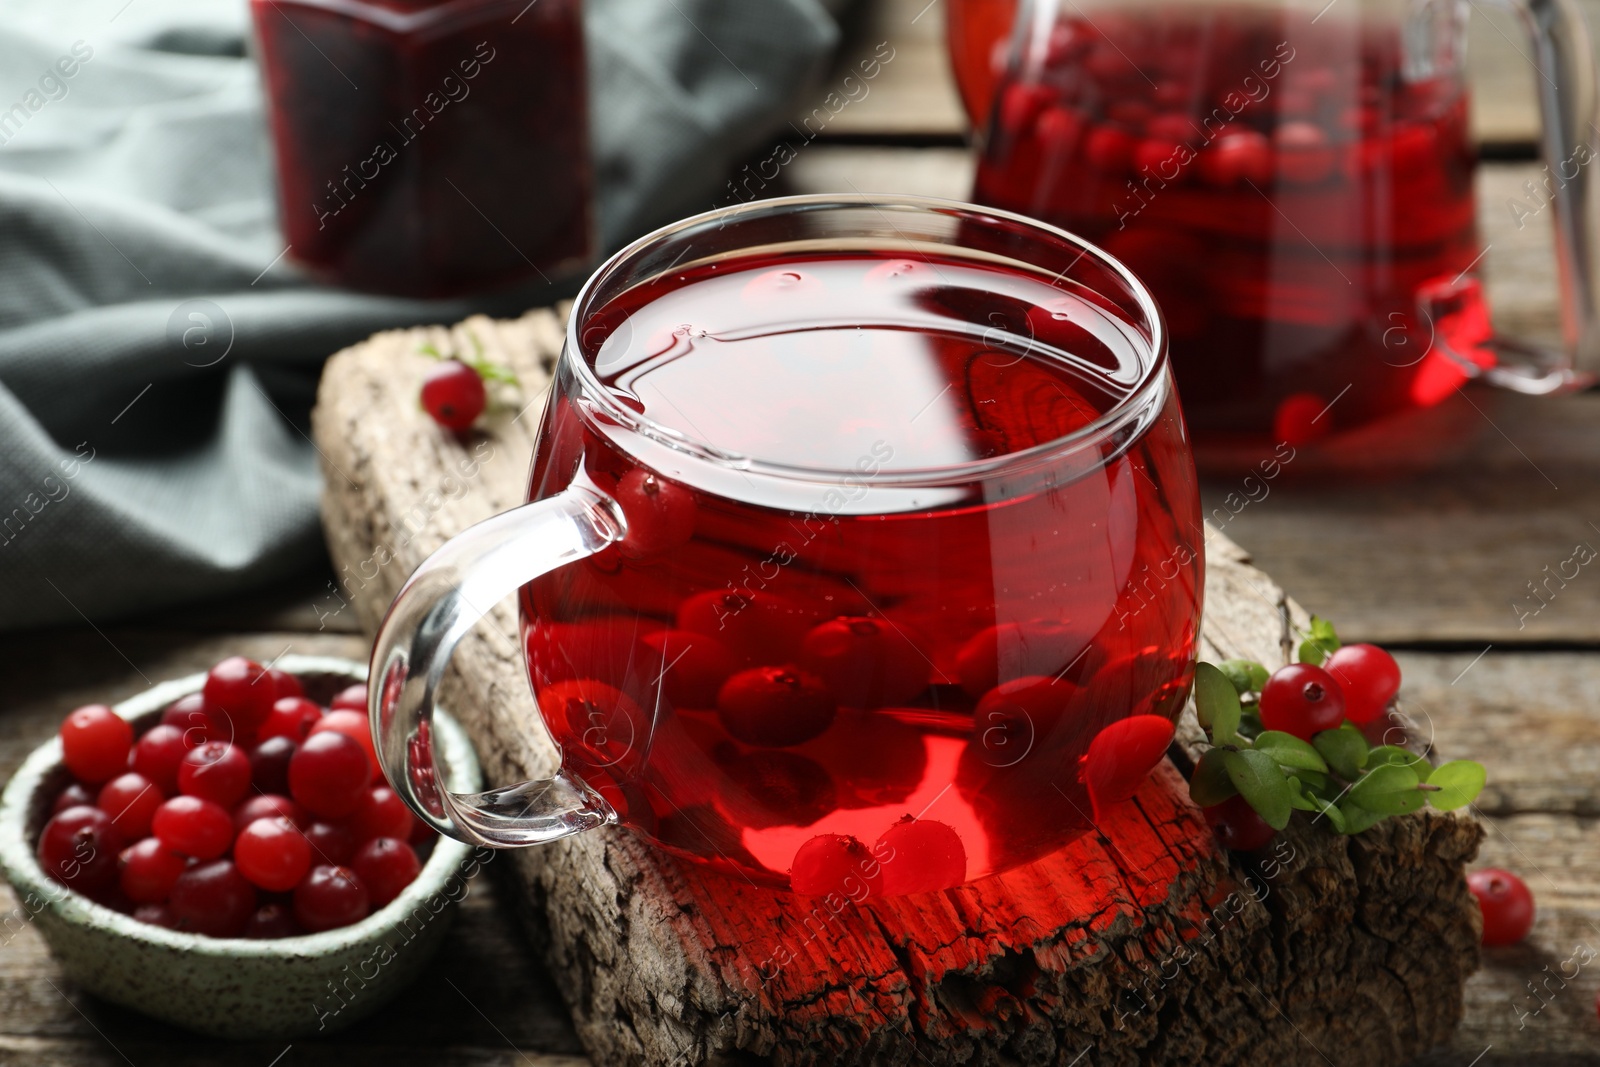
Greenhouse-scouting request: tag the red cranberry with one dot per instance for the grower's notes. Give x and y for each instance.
(836, 863)
(95, 742)
(329, 775)
(775, 707)
(79, 847)
(272, 854)
(268, 806)
(1121, 757)
(131, 800)
(605, 725)
(212, 899)
(1237, 156)
(156, 915)
(193, 826)
(1237, 825)
(271, 921)
(291, 717)
(660, 514)
(1302, 153)
(198, 720)
(157, 754)
(865, 662)
(382, 814)
(453, 394)
(1369, 678)
(353, 724)
(72, 796)
(331, 843)
(269, 764)
(149, 870)
(284, 684)
(920, 856)
(330, 897)
(241, 689)
(1506, 903)
(386, 866)
(352, 698)
(1301, 419)
(1301, 700)
(693, 666)
(1110, 149)
(216, 771)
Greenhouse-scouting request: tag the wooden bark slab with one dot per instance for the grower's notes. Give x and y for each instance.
(1141, 944)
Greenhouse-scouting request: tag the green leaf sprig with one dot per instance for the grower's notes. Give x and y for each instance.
(1336, 777)
(488, 371)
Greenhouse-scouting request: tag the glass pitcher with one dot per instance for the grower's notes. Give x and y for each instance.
(1294, 181)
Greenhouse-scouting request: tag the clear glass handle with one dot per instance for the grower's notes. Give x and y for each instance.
(1565, 68)
(439, 604)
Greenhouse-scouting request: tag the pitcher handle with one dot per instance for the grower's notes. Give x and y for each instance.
(438, 605)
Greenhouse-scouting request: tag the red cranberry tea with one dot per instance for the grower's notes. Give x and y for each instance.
(918, 682)
(429, 148)
(1287, 186)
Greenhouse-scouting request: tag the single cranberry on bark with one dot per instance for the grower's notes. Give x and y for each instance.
(1369, 677)
(1302, 700)
(1506, 904)
(453, 395)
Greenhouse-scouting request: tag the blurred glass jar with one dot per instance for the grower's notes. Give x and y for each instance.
(430, 148)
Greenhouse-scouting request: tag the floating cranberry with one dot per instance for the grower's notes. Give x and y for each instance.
(760, 627)
(1059, 128)
(1302, 152)
(95, 742)
(921, 856)
(385, 866)
(149, 870)
(453, 395)
(607, 726)
(1110, 149)
(354, 725)
(1237, 826)
(693, 666)
(775, 707)
(1121, 757)
(1160, 159)
(268, 806)
(131, 800)
(1301, 700)
(193, 826)
(79, 847)
(1011, 650)
(1237, 156)
(291, 717)
(328, 776)
(273, 854)
(1019, 104)
(1506, 904)
(1301, 418)
(659, 514)
(216, 771)
(1369, 678)
(865, 662)
(330, 897)
(212, 899)
(836, 864)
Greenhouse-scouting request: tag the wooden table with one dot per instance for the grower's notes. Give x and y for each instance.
(1428, 558)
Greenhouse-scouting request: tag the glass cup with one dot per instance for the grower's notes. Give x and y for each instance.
(1294, 181)
(862, 552)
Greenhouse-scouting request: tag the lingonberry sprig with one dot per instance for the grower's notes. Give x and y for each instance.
(454, 393)
(1292, 740)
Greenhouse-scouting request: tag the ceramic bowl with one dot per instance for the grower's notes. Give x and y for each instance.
(234, 987)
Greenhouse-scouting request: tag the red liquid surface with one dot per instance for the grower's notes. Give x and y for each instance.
(873, 606)
(429, 149)
(1285, 190)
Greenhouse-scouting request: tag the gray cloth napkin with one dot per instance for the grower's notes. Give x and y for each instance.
(158, 359)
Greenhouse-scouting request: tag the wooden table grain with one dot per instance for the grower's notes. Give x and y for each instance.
(1431, 552)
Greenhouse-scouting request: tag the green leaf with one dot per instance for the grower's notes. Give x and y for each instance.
(1316, 782)
(1459, 781)
(1321, 643)
(493, 372)
(1400, 757)
(1210, 783)
(1387, 790)
(1216, 703)
(1330, 811)
(1290, 752)
(1260, 781)
(1344, 749)
(1247, 675)
(432, 350)
(1355, 818)
(1298, 797)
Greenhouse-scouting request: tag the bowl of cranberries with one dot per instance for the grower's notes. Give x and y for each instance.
(222, 853)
